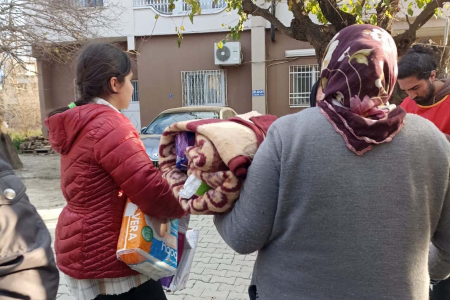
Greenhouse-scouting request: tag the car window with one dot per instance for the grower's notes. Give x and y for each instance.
(165, 120)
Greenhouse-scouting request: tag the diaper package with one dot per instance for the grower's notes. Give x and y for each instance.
(146, 244)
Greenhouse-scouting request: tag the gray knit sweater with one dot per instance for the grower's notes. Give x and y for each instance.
(329, 224)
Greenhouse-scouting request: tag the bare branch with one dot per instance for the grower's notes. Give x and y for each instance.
(338, 18)
(252, 9)
(407, 38)
(383, 19)
(52, 29)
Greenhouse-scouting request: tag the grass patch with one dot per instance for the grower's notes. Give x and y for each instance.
(18, 138)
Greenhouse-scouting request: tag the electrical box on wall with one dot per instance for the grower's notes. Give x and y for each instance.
(230, 54)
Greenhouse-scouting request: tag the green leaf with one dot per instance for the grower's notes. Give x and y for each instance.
(156, 17)
(438, 12)
(220, 45)
(171, 7)
(344, 8)
(179, 42)
(373, 19)
(410, 10)
(420, 4)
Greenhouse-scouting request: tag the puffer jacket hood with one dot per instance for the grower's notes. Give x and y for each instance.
(65, 127)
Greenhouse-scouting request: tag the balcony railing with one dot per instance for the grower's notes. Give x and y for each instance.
(181, 7)
(207, 5)
(86, 3)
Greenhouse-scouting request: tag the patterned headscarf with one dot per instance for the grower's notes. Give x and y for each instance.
(359, 72)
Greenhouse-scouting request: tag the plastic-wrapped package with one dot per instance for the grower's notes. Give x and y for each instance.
(148, 245)
(183, 140)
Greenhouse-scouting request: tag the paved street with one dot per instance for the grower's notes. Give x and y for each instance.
(217, 273)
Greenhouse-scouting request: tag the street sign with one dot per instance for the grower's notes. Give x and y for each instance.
(257, 93)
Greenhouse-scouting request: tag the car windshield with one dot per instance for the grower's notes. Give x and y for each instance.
(165, 120)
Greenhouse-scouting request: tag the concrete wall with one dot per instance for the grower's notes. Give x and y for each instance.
(161, 62)
(277, 90)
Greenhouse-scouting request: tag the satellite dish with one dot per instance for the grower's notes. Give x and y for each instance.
(223, 54)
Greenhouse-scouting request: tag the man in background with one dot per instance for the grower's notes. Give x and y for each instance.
(430, 98)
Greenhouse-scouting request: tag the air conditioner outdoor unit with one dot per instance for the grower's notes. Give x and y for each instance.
(230, 54)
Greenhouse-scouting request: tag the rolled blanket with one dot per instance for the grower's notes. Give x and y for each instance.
(222, 153)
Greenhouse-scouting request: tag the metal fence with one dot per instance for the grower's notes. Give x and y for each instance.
(181, 7)
(207, 5)
(86, 3)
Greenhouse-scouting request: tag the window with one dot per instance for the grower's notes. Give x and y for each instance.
(204, 88)
(301, 80)
(135, 97)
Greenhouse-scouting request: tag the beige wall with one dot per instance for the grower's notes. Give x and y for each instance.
(160, 63)
(56, 87)
(278, 75)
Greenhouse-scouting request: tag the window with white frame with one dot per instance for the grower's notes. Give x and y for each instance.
(204, 88)
(301, 80)
(135, 97)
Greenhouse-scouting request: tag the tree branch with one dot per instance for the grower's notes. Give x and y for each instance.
(384, 21)
(407, 38)
(338, 18)
(251, 8)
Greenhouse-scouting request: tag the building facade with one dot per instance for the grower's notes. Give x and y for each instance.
(273, 76)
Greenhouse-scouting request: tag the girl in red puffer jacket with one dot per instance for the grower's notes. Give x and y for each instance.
(102, 155)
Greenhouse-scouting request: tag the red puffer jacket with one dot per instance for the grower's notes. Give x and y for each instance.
(101, 154)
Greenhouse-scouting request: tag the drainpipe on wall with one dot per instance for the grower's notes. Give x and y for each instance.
(258, 41)
(272, 27)
(446, 32)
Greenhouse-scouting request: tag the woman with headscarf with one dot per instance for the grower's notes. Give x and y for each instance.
(342, 200)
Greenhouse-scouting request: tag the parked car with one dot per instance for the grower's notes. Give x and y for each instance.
(151, 134)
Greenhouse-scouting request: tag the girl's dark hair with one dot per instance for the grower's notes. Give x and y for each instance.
(97, 64)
